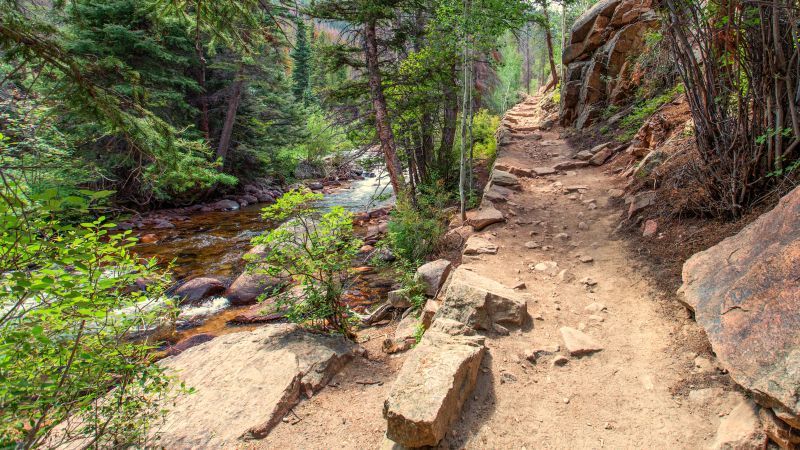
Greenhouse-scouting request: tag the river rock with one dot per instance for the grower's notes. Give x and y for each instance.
(485, 216)
(245, 383)
(740, 430)
(578, 343)
(435, 381)
(433, 274)
(223, 205)
(185, 344)
(480, 302)
(198, 289)
(249, 286)
(745, 292)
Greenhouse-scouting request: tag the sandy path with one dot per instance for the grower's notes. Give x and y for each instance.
(632, 394)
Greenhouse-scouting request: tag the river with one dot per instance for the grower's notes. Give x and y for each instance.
(212, 244)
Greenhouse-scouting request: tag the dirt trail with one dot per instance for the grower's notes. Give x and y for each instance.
(632, 394)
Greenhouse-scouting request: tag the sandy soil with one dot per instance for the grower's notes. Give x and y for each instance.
(632, 394)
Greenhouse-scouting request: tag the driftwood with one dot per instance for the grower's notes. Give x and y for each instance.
(382, 312)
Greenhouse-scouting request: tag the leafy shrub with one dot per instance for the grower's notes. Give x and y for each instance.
(484, 126)
(68, 313)
(631, 124)
(317, 251)
(415, 231)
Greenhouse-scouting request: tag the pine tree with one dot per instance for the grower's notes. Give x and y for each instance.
(301, 57)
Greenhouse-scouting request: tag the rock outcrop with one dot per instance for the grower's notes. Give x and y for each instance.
(245, 383)
(597, 58)
(435, 381)
(480, 302)
(745, 292)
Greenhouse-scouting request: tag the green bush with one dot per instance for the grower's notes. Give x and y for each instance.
(415, 231)
(631, 123)
(317, 251)
(484, 127)
(68, 314)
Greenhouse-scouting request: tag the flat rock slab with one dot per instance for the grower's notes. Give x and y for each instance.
(543, 171)
(578, 343)
(480, 302)
(497, 193)
(431, 388)
(745, 292)
(245, 383)
(477, 245)
(485, 216)
(506, 179)
(569, 165)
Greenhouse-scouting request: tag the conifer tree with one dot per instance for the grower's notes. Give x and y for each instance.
(301, 58)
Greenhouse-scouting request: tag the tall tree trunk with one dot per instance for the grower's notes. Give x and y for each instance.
(549, 38)
(201, 76)
(527, 53)
(450, 122)
(462, 163)
(385, 133)
(230, 115)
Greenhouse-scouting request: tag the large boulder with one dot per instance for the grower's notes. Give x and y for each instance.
(245, 383)
(480, 302)
(435, 381)
(249, 286)
(198, 289)
(745, 292)
(433, 274)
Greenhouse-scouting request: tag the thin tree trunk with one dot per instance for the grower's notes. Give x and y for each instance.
(230, 115)
(465, 98)
(549, 38)
(450, 122)
(385, 133)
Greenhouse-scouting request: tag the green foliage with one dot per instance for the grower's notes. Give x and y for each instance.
(509, 75)
(484, 127)
(301, 58)
(415, 232)
(67, 318)
(317, 251)
(631, 123)
(324, 137)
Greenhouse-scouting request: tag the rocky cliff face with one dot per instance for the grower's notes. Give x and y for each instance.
(598, 57)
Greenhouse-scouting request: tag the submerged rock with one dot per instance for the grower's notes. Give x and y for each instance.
(199, 289)
(245, 383)
(745, 292)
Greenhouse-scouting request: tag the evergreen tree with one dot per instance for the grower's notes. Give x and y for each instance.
(301, 58)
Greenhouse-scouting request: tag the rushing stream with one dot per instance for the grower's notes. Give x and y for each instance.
(212, 244)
